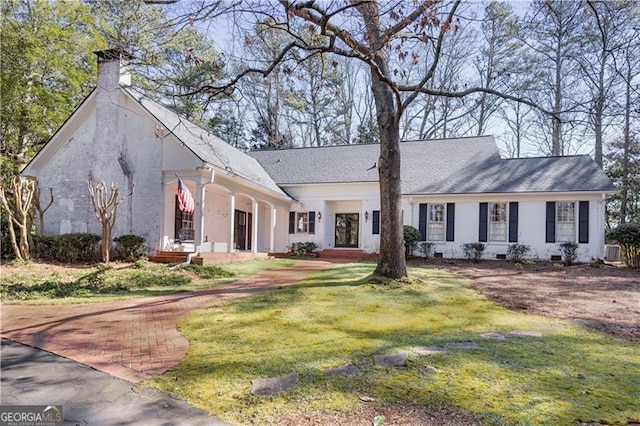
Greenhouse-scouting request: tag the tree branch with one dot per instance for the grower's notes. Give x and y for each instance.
(436, 58)
(462, 94)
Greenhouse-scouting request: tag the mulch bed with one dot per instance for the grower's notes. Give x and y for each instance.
(604, 297)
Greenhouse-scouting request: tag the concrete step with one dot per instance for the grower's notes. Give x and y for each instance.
(206, 258)
(169, 257)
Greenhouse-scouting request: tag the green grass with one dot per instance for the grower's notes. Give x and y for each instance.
(114, 281)
(337, 316)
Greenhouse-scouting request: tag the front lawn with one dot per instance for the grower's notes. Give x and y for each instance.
(45, 283)
(569, 375)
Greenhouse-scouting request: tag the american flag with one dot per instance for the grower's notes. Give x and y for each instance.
(185, 200)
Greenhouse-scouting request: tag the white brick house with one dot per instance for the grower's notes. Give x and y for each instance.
(455, 191)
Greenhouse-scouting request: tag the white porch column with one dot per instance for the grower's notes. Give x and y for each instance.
(232, 209)
(198, 219)
(272, 229)
(254, 226)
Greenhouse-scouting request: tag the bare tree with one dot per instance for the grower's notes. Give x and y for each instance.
(265, 93)
(385, 37)
(629, 70)
(497, 60)
(605, 34)
(516, 116)
(105, 206)
(37, 204)
(348, 101)
(552, 37)
(18, 209)
(442, 116)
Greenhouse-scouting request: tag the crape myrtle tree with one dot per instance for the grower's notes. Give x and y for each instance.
(387, 37)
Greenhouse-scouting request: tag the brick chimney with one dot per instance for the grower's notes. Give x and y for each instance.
(110, 134)
(113, 68)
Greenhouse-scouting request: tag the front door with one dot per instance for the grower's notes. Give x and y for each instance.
(347, 229)
(240, 231)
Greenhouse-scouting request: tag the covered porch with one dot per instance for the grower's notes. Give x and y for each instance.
(230, 220)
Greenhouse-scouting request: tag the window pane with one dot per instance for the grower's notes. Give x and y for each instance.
(498, 222)
(566, 222)
(435, 222)
(302, 222)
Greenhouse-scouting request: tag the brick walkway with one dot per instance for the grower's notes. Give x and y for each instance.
(134, 339)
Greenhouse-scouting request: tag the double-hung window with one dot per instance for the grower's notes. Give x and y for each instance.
(565, 222)
(498, 222)
(302, 222)
(435, 222)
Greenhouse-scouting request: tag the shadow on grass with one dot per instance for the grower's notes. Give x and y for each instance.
(568, 376)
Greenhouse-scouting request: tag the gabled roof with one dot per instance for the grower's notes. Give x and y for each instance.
(50, 147)
(542, 174)
(208, 147)
(438, 166)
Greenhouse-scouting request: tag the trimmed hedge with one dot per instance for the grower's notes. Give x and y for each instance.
(75, 247)
(130, 247)
(42, 246)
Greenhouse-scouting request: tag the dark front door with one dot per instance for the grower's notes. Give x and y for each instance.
(240, 230)
(347, 229)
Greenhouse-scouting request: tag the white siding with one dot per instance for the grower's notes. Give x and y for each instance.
(358, 198)
(531, 224)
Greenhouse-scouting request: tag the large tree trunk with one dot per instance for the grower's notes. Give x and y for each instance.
(391, 261)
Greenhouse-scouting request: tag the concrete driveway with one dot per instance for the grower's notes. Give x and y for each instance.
(31, 376)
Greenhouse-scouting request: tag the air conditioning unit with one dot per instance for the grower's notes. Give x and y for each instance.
(612, 253)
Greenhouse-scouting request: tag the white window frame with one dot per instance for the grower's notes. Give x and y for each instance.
(302, 222)
(436, 229)
(498, 230)
(566, 222)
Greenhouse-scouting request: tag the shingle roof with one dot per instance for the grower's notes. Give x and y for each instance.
(441, 166)
(209, 148)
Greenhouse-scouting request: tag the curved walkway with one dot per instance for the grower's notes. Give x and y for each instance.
(134, 339)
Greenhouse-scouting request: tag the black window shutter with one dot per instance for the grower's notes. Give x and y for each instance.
(451, 221)
(375, 221)
(292, 222)
(551, 222)
(513, 222)
(484, 222)
(312, 222)
(422, 221)
(583, 222)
